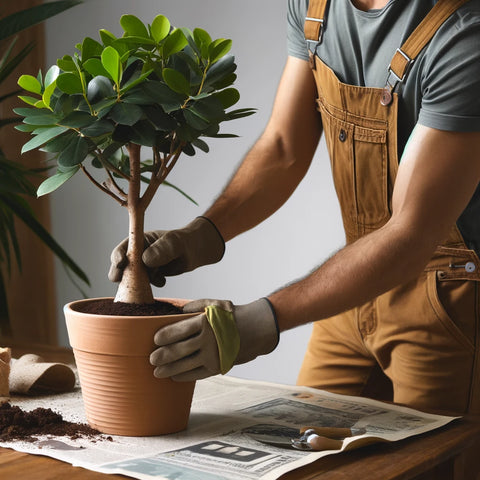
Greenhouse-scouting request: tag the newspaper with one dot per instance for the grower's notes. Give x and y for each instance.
(216, 444)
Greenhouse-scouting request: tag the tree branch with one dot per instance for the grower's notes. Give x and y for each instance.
(122, 202)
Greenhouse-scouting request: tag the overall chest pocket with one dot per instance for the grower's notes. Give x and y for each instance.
(359, 159)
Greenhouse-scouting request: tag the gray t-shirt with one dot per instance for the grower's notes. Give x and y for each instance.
(442, 89)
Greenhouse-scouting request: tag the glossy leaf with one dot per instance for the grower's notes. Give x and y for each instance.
(176, 81)
(28, 100)
(133, 26)
(111, 63)
(38, 116)
(160, 28)
(47, 94)
(98, 128)
(90, 48)
(43, 136)
(77, 119)
(59, 143)
(66, 64)
(55, 181)
(30, 84)
(69, 83)
(108, 38)
(52, 74)
(95, 68)
(219, 49)
(99, 88)
(126, 113)
(228, 97)
(75, 152)
(175, 42)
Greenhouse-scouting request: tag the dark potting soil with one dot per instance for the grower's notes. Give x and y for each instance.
(17, 424)
(109, 307)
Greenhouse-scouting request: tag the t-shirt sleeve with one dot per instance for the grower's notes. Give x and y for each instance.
(451, 78)
(296, 13)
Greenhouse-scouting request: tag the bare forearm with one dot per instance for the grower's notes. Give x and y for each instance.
(357, 273)
(265, 180)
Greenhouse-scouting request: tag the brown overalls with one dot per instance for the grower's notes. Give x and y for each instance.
(425, 334)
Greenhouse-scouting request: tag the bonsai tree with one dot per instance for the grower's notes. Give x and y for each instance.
(17, 181)
(156, 86)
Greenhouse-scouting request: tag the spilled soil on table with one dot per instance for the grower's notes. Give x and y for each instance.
(18, 424)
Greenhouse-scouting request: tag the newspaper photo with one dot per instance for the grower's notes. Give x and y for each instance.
(221, 442)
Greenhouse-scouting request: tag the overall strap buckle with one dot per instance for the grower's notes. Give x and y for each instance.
(401, 61)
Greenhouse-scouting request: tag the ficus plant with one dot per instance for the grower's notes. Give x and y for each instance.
(155, 86)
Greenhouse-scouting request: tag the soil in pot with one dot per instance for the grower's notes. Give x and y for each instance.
(107, 306)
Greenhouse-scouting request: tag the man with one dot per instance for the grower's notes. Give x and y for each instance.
(402, 294)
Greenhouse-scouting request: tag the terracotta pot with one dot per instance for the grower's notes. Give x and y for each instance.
(120, 393)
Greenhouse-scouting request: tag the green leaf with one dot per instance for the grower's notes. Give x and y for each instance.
(43, 136)
(90, 48)
(126, 113)
(202, 38)
(159, 118)
(56, 181)
(218, 49)
(77, 119)
(176, 81)
(240, 113)
(95, 68)
(52, 73)
(28, 100)
(163, 95)
(222, 68)
(66, 64)
(107, 37)
(199, 143)
(47, 94)
(75, 152)
(228, 97)
(99, 88)
(69, 83)
(144, 133)
(133, 26)
(111, 63)
(37, 116)
(160, 28)
(30, 84)
(175, 42)
(99, 128)
(195, 119)
(25, 128)
(59, 143)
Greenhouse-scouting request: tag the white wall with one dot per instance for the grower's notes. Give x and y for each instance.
(288, 245)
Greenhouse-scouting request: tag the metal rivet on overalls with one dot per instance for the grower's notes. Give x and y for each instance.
(469, 267)
(343, 135)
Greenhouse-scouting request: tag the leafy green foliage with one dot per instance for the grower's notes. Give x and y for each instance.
(15, 180)
(155, 86)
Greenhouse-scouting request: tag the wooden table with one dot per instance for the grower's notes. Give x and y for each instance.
(437, 455)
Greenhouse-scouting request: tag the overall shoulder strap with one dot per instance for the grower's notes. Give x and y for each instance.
(314, 22)
(408, 52)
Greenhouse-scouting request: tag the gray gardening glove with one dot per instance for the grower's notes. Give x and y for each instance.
(214, 341)
(173, 252)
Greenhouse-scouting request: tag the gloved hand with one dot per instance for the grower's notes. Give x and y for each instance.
(173, 252)
(213, 341)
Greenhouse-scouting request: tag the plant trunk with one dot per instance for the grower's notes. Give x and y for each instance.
(135, 284)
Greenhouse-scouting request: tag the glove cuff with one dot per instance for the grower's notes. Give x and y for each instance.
(210, 244)
(258, 329)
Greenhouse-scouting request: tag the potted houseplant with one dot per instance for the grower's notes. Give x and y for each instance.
(17, 182)
(158, 87)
